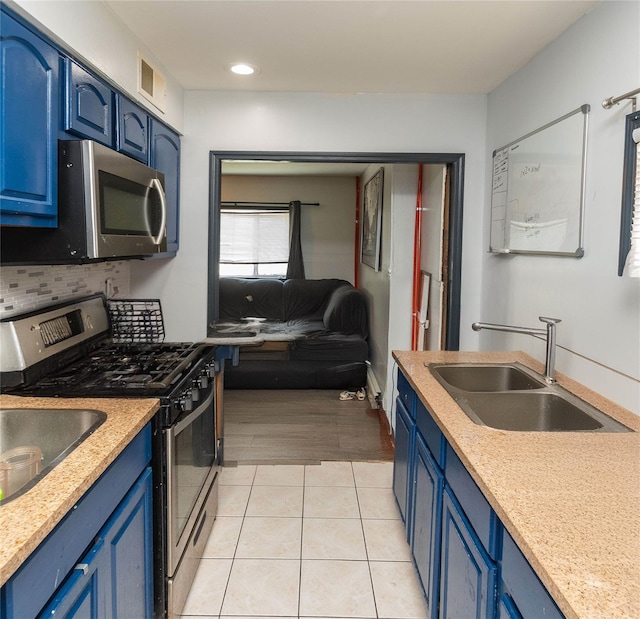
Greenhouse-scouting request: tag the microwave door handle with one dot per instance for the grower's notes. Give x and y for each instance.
(155, 182)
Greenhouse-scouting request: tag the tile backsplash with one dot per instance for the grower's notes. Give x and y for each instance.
(26, 288)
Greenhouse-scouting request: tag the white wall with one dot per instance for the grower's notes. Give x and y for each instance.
(327, 231)
(310, 122)
(597, 58)
(431, 248)
(94, 32)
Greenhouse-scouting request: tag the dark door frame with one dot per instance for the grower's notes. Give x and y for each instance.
(454, 162)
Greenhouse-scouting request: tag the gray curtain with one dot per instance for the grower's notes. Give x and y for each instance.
(295, 267)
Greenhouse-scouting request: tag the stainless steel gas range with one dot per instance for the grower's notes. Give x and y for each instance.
(66, 351)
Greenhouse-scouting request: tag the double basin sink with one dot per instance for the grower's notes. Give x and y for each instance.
(512, 397)
(34, 441)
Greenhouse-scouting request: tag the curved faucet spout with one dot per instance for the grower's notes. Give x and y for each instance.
(549, 333)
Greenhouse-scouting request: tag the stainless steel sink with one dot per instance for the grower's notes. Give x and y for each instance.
(511, 397)
(43, 435)
(479, 377)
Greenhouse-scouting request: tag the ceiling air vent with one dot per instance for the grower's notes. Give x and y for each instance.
(151, 83)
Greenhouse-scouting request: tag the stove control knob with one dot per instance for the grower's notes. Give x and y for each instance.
(203, 381)
(186, 401)
(210, 369)
(195, 392)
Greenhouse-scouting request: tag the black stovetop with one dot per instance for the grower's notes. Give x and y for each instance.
(122, 369)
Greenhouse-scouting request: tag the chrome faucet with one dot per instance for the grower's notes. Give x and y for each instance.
(549, 333)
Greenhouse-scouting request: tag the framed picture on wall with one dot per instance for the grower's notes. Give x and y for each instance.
(372, 221)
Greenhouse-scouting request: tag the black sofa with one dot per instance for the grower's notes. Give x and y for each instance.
(314, 333)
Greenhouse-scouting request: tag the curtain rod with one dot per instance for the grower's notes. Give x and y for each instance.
(611, 101)
(249, 204)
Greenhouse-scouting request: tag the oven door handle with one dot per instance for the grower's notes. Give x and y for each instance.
(183, 423)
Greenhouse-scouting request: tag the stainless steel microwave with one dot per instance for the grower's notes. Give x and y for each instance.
(109, 206)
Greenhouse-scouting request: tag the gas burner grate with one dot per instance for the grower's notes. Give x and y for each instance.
(136, 320)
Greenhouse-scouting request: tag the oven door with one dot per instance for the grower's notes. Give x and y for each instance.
(192, 465)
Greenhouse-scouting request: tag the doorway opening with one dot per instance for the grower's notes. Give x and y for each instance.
(452, 227)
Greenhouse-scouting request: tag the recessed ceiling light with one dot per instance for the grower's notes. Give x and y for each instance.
(241, 68)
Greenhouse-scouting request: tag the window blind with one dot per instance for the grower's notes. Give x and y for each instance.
(632, 263)
(254, 236)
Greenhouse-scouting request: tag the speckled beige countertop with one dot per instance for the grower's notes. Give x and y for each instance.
(28, 519)
(571, 501)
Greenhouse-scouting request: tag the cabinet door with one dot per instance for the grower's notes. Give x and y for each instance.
(115, 578)
(83, 595)
(426, 526)
(164, 156)
(468, 575)
(89, 109)
(133, 130)
(404, 433)
(128, 539)
(29, 127)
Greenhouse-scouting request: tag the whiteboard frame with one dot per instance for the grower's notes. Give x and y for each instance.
(579, 251)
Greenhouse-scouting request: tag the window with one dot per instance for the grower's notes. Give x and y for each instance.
(254, 242)
(629, 260)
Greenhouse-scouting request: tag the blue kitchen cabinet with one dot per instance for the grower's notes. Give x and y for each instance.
(89, 105)
(114, 579)
(98, 561)
(29, 127)
(164, 156)
(522, 593)
(426, 521)
(469, 567)
(468, 574)
(132, 135)
(404, 437)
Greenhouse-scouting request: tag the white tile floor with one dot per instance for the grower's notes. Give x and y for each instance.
(307, 541)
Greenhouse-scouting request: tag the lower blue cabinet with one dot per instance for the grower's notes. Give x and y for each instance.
(114, 578)
(469, 566)
(468, 575)
(98, 561)
(522, 593)
(426, 523)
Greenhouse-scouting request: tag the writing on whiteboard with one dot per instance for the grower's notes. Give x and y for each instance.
(530, 169)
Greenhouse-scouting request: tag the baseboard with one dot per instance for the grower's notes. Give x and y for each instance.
(373, 388)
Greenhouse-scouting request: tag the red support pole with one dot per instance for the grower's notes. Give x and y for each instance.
(417, 251)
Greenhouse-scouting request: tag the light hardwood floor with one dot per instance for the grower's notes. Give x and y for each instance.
(301, 427)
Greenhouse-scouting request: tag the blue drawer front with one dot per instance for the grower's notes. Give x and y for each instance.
(528, 593)
(477, 509)
(431, 433)
(406, 394)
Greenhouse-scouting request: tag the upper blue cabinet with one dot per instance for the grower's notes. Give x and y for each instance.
(29, 127)
(164, 155)
(133, 129)
(90, 105)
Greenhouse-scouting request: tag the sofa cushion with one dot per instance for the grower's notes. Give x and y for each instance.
(308, 298)
(240, 298)
(346, 312)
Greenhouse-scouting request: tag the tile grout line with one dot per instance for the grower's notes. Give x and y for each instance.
(366, 549)
(235, 550)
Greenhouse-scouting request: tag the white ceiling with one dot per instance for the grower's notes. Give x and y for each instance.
(345, 46)
(348, 46)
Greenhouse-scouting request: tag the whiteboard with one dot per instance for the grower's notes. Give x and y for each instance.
(537, 198)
